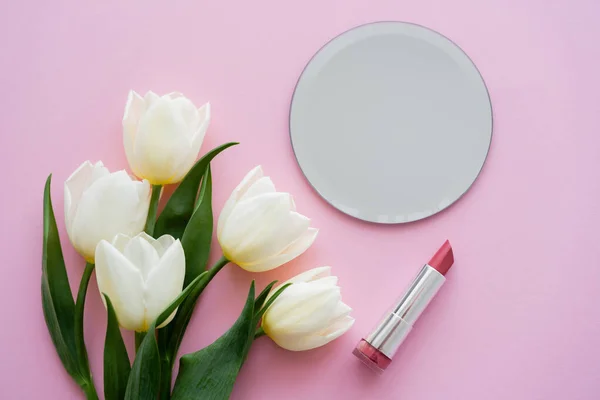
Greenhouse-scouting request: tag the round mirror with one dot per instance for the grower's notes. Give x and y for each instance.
(391, 122)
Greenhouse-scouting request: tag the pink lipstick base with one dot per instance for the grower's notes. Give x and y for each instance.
(371, 357)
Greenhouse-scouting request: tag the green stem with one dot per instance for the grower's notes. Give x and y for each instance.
(166, 376)
(221, 262)
(88, 384)
(139, 337)
(169, 355)
(151, 220)
(259, 332)
(89, 390)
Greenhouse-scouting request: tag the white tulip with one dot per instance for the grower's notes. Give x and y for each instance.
(259, 228)
(100, 204)
(163, 135)
(309, 313)
(141, 276)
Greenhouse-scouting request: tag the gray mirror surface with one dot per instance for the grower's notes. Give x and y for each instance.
(391, 122)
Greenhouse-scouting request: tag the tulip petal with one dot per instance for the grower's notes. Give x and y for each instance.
(201, 126)
(75, 185)
(250, 215)
(142, 255)
(293, 205)
(309, 342)
(150, 97)
(314, 341)
(260, 227)
(189, 113)
(300, 343)
(146, 237)
(120, 241)
(327, 280)
(338, 328)
(341, 311)
(165, 281)
(144, 191)
(140, 213)
(303, 308)
(174, 95)
(273, 237)
(123, 284)
(300, 245)
(162, 143)
(111, 205)
(292, 251)
(134, 109)
(251, 177)
(197, 124)
(163, 243)
(262, 186)
(310, 275)
(315, 274)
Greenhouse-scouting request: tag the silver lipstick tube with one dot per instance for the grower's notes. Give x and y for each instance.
(397, 324)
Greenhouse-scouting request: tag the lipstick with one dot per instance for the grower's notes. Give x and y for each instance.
(379, 347)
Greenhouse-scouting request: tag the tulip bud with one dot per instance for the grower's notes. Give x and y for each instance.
(100, 204)
(141, 276)
(309, 313)
(259, 228)
(163, 135)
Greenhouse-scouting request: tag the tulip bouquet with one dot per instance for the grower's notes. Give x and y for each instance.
(151, 269)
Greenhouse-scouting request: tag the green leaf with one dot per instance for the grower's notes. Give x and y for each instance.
(258, 303)
(170, 337)
(57, 299)
(262, 308)
(79, 309)
(177, 327)
(116, 360)
(209, 374)
(139, 337)
(64, 320)
(145, 374)
(266, 306)
(196, 241)
(151, 218)
(197, 236)
(180, 207)
(144, 379)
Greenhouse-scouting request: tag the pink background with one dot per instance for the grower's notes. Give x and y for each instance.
(518, 318)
